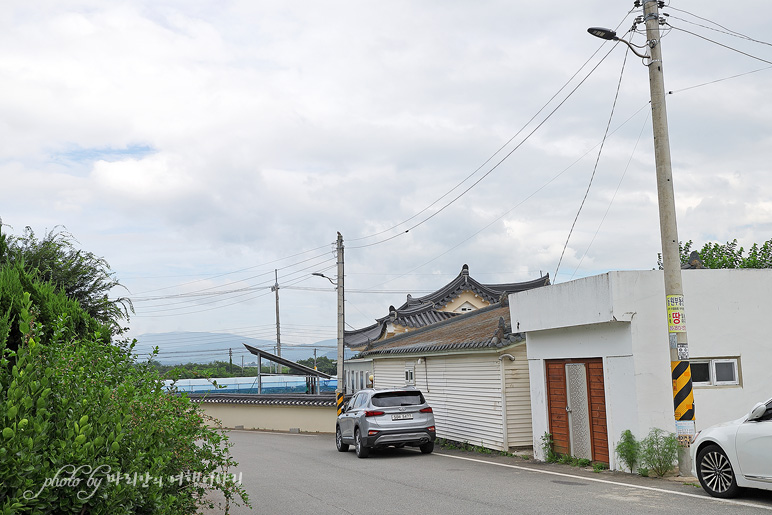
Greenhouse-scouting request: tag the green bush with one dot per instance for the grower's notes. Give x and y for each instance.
(548, 446)
(659, 451)
(86, 429)
(599, 467)
(628, 449)
(566, 459)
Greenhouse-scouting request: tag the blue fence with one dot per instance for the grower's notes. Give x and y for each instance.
(269, 384)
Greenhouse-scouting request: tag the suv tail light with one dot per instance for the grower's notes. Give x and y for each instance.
(373, 413)
(427, 409)
(431, 428)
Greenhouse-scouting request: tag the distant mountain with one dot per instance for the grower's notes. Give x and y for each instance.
(200, 347)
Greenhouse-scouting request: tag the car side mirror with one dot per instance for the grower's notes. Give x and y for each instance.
(758, 411)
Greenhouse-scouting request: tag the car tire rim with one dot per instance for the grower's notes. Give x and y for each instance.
(716, 471)
(358, 443)
(338, 438)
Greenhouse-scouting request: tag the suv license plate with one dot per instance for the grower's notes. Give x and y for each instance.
(402, 416)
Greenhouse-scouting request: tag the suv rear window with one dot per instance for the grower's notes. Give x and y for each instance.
(386, 399)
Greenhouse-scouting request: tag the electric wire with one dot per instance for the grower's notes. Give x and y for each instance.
(216, 307)
(613, 197)
(722, 45)
(718, 80)
(506, 156)
(238, 271)
(270, 272)
(725, 30)
(214, 297)
(487, 160)
(523, 201)
(597, 161)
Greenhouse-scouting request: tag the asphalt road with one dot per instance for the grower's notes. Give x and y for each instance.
(304, 474)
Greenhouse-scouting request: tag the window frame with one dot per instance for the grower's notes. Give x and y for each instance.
(712, 381)
(735, 368)
(410, 375)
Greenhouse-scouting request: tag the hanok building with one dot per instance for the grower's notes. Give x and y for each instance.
(458, 346)
(462, 295)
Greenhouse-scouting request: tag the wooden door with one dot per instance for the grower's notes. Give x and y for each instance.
(557, 404)
(557, 400)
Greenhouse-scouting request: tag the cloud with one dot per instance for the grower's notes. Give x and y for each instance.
(183, 140)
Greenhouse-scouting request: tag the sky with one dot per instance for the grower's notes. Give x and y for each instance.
(202, 147)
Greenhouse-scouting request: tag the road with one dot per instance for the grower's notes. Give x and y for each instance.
(304, 474)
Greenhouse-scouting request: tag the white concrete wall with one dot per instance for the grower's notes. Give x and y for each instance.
(308, 419)
(621, 317)
(727, 315)
(612, 342)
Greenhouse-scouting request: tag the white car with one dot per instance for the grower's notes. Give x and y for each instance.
(732, 455)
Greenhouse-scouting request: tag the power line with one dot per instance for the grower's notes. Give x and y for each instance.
(490, 158)
(523, 201)
(528, 136)
(721, 44)
(242, 293)
(614, 196)
(204, 290)
(725, 30)
(718, 80)
(240, 270)
(597, 160)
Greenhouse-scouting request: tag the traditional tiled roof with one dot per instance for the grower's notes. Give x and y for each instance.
(486, 328)
(425, 311)
(272, 399)
(464, 282)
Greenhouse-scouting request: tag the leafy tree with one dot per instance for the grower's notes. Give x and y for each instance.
(75, 405)
(716, 255)
(323, 364)
(81, 275)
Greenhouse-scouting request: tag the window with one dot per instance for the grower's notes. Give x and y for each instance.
(387, 399)
(410, 375)
(715, 372)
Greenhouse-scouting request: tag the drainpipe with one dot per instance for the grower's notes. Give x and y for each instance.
(504, 425)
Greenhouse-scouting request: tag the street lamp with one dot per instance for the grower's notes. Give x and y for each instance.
(610, 35)
(683, 396)
(317, 274)
(340, 389)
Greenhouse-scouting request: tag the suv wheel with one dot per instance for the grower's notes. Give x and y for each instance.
(362, 451)
(715, 472)
(427, 448)
(342, 447)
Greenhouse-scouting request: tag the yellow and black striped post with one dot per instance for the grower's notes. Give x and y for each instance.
(680, 370)
(339, 401)
(683, 398)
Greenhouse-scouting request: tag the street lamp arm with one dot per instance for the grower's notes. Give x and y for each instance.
(317, 274)
(610, 35)
(632, 47)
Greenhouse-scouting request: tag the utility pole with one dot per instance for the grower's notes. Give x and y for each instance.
(340, 389)
(275, 288)
(680, 371)
(683, 397)
(230, 361)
